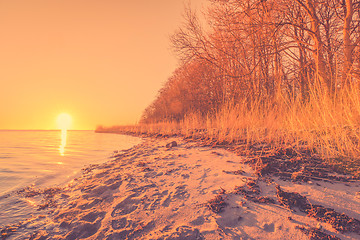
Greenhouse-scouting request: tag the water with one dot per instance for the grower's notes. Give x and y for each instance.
(48, 158)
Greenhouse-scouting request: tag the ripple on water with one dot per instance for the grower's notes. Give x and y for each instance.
(32, 158)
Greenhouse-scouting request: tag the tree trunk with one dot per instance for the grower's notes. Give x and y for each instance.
(348, 48)
(318, 45)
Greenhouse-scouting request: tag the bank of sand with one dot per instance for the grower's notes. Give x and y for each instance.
(155, 192)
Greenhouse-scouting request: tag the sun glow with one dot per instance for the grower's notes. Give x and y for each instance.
(64, 121)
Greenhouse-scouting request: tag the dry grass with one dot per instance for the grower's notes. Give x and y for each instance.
(328, 124)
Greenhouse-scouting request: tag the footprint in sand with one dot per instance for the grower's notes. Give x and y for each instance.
(128, 205)
(142, 189)
(135, 230)
(83, 230)
(119, 235)
(119, 223)
(185, 176)
(91, 204)
(158, 198)
(198, 221)
(181, 192)
(102, 174)
(92, 216)
(166, 201)
(95, 191)
(185, 232)
(113, 180)
(269, 227)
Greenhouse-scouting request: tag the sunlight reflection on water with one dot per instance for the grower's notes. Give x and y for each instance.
(63, 142)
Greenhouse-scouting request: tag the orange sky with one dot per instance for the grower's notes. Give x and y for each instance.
(101, 61)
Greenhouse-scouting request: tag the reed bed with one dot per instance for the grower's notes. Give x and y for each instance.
(328, 125)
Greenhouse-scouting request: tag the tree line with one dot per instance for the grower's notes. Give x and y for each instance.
(260, 52)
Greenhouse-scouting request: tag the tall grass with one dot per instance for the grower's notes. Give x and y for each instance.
(327, 124)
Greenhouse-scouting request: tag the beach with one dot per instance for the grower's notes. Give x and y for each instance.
(176, 120)
(172, 188)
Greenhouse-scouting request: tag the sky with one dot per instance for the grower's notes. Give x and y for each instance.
(100, 61)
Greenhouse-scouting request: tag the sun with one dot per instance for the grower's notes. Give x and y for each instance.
(64, 121)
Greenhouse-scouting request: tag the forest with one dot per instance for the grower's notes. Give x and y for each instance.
(261, 52)
(266, 71)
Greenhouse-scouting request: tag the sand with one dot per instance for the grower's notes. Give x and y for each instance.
(154, 192)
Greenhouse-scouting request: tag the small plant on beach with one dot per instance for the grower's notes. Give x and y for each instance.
(217, 204)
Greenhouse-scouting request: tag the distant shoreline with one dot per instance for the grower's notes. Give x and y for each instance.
(28, 130)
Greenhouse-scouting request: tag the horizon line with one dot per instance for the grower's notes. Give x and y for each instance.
(46, 129)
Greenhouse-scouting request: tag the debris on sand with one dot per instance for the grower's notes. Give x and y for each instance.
(146, 169)
(292, 200)
(216, 153)
(32, 192)
(217, 204)
(236, 172)
(339, 221)
(47, 194)
(251, 191)
(301, 165)
(7, 231)
(317, 234)
(141, 164)
(171, 144)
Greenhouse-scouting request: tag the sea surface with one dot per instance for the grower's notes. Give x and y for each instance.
(46, 159)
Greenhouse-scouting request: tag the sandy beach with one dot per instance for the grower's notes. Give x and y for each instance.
(189, 191)
(245, 116)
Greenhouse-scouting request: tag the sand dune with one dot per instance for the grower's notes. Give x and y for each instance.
(155, 192)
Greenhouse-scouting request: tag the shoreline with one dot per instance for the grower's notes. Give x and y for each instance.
(188, 191)
(32, 162)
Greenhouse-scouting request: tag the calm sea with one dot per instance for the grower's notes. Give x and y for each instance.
(48, 158)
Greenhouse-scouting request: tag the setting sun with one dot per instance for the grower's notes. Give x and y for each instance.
(64, 121)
